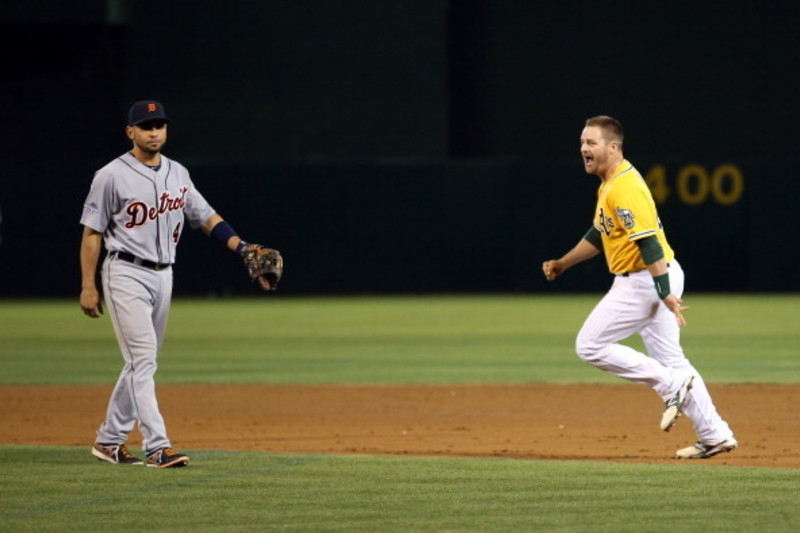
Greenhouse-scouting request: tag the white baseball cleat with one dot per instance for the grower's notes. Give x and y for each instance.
(701, 450)
(674, 406)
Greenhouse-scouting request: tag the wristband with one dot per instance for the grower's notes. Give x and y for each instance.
(223, 232)
(241, 246)
(662, 285)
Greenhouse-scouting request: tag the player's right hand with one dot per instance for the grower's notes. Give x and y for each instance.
(552, 269)
(91, 304)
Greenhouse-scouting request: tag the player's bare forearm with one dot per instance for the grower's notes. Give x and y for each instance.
(91, 244)
(209, 224)
(583, 251)
(657, 268)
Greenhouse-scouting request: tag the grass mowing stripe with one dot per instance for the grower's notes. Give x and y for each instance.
(238, 491)
(402, 339)
(128, 495)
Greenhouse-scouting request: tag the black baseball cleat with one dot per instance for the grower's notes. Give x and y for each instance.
(117, 454)
(166, 458)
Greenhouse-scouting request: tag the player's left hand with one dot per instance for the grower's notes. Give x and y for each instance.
(675, 305)
(264, 265)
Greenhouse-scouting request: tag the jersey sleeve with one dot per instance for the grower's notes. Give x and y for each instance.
(635, 212)
(99, 204)
(197, 209)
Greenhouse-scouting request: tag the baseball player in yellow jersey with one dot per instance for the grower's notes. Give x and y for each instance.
(645, 297)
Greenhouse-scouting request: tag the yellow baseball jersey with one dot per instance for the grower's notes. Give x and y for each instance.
(626, 212)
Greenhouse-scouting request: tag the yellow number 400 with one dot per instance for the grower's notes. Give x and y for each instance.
(694, 185)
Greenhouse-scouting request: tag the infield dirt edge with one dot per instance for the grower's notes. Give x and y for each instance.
(534, 421)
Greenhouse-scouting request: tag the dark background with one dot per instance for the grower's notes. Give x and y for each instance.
(403, 146)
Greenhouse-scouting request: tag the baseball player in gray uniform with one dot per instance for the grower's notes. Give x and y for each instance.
(136, 206)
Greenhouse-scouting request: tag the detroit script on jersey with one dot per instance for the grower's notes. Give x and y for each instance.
(140, 212)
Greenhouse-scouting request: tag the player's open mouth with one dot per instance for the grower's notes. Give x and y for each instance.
(587, 159)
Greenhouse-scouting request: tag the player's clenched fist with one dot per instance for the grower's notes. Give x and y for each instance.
(552, 269)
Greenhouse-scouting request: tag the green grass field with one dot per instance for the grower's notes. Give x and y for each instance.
(454, 339)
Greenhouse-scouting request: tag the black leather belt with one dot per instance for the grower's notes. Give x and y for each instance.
(130, 258)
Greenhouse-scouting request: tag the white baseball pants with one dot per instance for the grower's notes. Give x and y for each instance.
(137, 300)
(633, 306)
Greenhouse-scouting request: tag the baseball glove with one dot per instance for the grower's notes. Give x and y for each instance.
(264, 265)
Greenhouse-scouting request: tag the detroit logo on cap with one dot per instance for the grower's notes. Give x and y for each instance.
(146, 110)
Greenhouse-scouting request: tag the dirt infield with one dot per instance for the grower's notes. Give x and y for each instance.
(571, 422)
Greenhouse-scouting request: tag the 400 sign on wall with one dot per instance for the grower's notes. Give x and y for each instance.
(694, 185)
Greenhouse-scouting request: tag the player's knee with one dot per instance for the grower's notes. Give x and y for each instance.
(587, 349)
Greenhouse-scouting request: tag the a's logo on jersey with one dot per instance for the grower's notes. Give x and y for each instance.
(140, 212)
(627, 217)
(91, 208)
(604, 223)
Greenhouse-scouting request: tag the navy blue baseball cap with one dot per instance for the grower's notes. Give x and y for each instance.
(145, 110)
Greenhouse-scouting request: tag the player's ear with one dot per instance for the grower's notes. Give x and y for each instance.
(129, 132)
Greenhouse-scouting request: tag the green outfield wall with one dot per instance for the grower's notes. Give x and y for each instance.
(407, 145)
(433, 226)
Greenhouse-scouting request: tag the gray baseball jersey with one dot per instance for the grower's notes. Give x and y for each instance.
(141, 211)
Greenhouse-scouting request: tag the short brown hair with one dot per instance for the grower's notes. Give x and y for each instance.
(612, 128)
